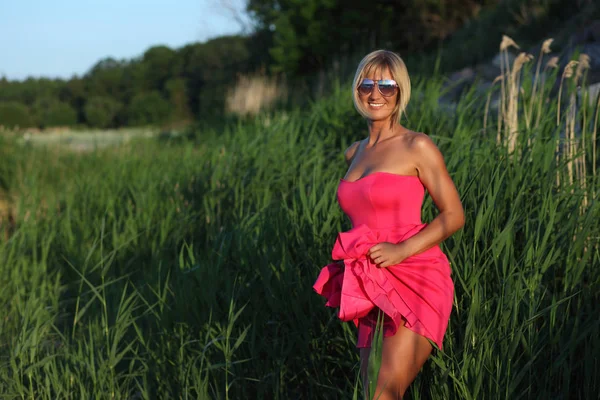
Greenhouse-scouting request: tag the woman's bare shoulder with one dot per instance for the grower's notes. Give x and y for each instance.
(420, 141)
(350, 152)
(427, 155)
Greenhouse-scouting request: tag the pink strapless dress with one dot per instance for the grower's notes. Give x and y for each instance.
(417, 292)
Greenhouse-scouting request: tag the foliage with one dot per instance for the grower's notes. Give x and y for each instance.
(15, 114)
(105, 78)
(528, 21)
(148, 109)
(211, 70)
(50, 112)
(309, 35)
(178, 97)
(159, 64)
(193, 80)
(101, 111)
(311, 43)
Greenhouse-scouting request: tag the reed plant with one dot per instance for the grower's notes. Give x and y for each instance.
(254, 93)
(183, 269)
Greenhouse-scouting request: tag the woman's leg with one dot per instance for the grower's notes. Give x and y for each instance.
(403, 355)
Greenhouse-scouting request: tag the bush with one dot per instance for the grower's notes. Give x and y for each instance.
(15, 114)
(100, 111)
(178, 96)
(148, 108)
(53, 112)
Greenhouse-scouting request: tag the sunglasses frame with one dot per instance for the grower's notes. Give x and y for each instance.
(377, 83)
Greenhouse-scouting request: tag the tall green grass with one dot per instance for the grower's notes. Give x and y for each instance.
(183, 269)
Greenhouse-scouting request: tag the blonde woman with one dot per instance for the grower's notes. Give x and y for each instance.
(390, 261)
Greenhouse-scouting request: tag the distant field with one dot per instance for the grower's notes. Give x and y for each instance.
(88, 140)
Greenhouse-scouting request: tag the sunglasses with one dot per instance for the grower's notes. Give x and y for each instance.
(387, 87)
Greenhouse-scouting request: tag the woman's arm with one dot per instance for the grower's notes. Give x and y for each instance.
(434, 175)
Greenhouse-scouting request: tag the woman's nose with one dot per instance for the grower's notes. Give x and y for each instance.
(375, 95)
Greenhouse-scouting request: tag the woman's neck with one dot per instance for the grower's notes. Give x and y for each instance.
(381, 130)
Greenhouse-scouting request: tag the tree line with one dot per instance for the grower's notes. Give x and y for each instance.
(295, 38)
(163, 85)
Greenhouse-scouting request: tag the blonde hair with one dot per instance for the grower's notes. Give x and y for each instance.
(384, 59)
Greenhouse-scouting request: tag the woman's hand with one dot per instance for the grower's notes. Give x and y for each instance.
(385, 254)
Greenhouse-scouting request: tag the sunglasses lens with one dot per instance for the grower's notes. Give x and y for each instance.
(366, 87)
(387, 88)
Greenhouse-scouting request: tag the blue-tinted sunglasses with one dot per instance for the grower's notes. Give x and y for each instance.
(387, 87)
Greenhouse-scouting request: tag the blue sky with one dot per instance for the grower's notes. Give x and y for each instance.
(60, 38)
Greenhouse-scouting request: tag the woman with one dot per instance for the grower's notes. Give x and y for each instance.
(390, 261)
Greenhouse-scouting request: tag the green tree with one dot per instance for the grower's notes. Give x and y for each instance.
(29, 90)
(158, 67)
(14, 114)
(50, 111)
(105, 78)
(177, 89)
(101, 111)
(309, 34)
(148, 109)
(134, 80)
(211, 69)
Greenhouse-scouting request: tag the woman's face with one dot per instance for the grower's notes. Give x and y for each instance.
(378, 107)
